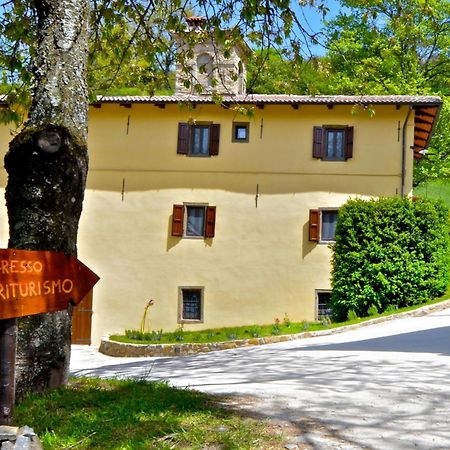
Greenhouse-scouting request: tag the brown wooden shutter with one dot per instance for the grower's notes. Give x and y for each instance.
(183, 138)
(349, 142)
(318, 148)
(314, 234)
(210, 223)
(214, 139)
(177, 220)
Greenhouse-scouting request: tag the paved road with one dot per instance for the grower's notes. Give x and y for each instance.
(385, 386)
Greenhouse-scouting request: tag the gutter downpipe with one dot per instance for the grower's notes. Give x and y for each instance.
(404, 152)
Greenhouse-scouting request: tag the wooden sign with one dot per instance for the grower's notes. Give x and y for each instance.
(35, 282)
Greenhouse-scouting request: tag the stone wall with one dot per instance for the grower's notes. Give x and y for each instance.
(15, 438)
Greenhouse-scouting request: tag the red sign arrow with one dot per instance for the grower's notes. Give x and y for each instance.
(35, 282)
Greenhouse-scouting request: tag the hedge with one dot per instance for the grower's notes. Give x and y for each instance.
(389, 251)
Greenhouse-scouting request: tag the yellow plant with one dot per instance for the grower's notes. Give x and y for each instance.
(144, 317)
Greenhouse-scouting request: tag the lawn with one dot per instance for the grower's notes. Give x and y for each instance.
(436, 190)
(250, 331)
(136, 415)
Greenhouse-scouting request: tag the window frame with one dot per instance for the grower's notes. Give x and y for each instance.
(185, 139)
(235, 126)
(181, 289)
(317, 292)
(334, 129)
(316, 224)
(180, 218)
(320, 142)
(199, 126)
(185, 222)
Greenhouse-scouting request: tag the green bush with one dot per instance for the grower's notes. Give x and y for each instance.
(389, 252)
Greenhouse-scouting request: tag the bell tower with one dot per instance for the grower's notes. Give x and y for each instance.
(203, 68)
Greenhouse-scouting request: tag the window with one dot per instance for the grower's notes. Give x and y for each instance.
(200, 139)
(205, 70)
(333, 142)
(193, 221)
(322, 224)
(240, 132)
(323, 299)
(190, 304)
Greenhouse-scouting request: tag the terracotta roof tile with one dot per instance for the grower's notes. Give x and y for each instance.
(280, 99)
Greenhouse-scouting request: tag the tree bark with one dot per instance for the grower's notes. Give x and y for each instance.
(47, 167)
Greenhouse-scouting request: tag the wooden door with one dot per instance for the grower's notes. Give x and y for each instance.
(82, 321)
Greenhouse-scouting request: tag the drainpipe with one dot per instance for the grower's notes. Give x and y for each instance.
(404, 152)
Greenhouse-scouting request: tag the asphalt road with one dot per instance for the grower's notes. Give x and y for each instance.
(385, 386)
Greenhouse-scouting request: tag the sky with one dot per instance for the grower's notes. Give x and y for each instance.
(313, 19)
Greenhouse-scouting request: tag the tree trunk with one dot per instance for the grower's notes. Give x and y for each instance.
(47, 167)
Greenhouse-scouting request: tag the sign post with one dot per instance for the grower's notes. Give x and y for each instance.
(33, 282)
(7, 369)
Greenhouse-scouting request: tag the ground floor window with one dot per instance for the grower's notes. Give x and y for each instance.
(323, 298)
(190, 308)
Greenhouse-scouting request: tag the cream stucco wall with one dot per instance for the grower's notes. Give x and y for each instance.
(260, 264)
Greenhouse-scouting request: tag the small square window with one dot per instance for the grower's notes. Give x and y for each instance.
(323, 304)
(190, 304)
(240, 132)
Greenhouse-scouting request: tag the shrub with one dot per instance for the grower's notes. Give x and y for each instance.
(351, 315)
(372, 311)
(389, 251)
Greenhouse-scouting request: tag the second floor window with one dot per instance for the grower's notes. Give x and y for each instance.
(201, 139)
(333, 143)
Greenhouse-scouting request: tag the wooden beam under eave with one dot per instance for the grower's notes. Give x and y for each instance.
(421, 135)
(424, 119)
(431, 111)
(96, 105)
(425, 116)
(260, 105)
(160, 105)
(294, 105)
(125, 105)
(423, 127)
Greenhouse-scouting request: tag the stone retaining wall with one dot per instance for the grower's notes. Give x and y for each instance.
(15, 438)
(113, 348)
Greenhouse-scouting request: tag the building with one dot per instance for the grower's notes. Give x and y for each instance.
(225, 219)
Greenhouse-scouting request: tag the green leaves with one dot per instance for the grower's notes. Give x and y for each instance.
(389, 252)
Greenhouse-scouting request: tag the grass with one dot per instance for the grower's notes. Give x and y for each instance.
(250, 331)
(436, 190)
(133, 415)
